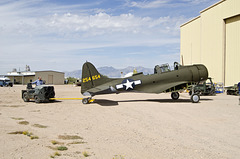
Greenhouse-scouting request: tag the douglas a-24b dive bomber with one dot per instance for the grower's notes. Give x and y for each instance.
(163, 80)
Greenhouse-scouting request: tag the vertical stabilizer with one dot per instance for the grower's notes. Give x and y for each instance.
(91, 77)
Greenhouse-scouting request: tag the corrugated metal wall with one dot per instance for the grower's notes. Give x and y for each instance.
(213, 41)
(232, 69)
(190, 49)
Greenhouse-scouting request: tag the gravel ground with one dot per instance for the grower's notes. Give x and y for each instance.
(123, 126)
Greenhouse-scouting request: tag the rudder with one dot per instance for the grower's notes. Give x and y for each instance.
(91, 77)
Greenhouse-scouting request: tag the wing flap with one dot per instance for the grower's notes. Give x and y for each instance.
(159, 88)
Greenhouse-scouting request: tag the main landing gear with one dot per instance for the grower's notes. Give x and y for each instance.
(87, 100)
(194, 97)
(175, 95)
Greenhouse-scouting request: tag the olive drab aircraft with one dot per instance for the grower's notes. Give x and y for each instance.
(163, 80)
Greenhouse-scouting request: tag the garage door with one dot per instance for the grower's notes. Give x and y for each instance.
(50, 79)
(232, 69)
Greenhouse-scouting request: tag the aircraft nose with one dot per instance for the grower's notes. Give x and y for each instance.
(203, 72)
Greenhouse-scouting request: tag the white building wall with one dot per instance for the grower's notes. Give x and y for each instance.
(51, 77)
(190, 49)
(232, 61)
(215, 42)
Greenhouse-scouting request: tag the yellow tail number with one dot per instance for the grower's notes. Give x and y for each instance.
(95, 77)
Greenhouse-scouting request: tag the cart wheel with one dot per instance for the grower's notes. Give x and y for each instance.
(195, 98)
(37, 99)
(175, 95)
(25, 97)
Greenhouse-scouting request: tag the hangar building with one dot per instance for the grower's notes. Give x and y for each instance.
(50, 77)
(213, 39)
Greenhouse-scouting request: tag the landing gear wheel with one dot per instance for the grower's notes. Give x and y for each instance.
(37, 99)
(175, 95)
(195, 98)
(85, 100)
(25, 97)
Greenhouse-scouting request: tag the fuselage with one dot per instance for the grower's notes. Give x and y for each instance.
(155, 83)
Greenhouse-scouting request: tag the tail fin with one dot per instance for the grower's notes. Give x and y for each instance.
(91, 77)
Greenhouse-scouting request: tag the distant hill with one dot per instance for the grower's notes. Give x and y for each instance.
(111, 71)
(76, 74)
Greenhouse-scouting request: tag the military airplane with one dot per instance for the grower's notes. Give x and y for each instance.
(163, 80)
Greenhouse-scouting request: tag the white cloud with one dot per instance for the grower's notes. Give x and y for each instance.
(101, 23)
(153, 4)
(196, 1)
(81, 24)
(147, 4)
(32, 32)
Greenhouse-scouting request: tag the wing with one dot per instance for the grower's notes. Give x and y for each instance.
(159, 88)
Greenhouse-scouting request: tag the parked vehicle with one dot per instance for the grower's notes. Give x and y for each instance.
(205, 88)
(5, 81)
(41, 93)
(233, 90)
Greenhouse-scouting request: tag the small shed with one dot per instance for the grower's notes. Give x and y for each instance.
(50, 77)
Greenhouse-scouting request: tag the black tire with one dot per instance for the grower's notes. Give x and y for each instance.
(195, 98)
(175, 95)
(25, 97)
(37, 99)
(228, 92)
(85, 101)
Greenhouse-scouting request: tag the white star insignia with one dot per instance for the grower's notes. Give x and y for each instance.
(128, 84)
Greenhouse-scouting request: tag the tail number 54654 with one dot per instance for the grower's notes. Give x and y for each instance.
(95, 77)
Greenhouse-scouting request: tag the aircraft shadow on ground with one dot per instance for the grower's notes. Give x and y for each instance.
(105, 102)
(205, 99)
(55, 101)
(51, 101)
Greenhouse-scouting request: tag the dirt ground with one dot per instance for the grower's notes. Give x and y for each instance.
(123, 126)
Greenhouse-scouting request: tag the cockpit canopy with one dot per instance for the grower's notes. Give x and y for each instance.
(165, 68)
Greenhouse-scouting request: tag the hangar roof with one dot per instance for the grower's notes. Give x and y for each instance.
(27, 73)
(202, 12)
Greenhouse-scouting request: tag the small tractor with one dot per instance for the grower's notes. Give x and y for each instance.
(41, 93)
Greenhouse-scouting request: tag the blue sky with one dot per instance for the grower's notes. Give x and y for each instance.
(62, 34)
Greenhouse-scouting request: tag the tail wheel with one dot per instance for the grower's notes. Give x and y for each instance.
(85, 100)
(175, 95)
(25, 97)
(195, 98)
